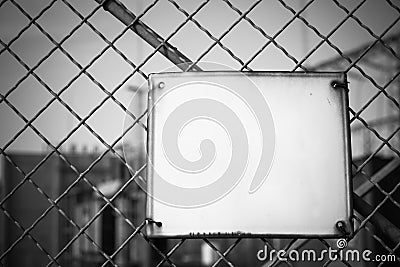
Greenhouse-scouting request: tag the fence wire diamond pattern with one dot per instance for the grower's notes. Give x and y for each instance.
(67, 62)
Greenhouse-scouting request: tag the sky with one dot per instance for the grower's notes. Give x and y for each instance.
(83, 45)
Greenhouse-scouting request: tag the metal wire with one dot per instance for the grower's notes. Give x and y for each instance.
(348, 62)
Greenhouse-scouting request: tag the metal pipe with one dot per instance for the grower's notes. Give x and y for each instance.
(118, 10)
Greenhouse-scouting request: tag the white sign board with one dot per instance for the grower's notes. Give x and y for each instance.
(254, 154)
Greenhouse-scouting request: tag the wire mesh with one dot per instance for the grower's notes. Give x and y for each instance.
(183, 37)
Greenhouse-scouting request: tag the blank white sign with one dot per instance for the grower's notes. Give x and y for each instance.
(260, 153)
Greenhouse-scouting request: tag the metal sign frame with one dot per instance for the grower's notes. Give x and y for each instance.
(334, 82)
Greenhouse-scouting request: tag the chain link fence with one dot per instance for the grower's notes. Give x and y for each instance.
(70, 68)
